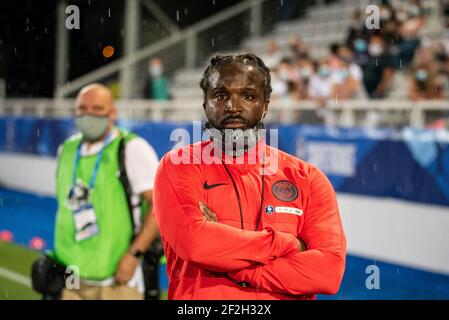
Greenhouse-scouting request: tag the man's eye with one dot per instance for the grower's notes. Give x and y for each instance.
(220, 96)
(248, 97)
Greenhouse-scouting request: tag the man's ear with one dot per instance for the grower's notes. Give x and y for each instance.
(265, 109)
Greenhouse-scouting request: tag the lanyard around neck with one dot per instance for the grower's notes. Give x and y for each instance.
(97, 162)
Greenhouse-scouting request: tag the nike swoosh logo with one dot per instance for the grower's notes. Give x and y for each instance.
(210, 186)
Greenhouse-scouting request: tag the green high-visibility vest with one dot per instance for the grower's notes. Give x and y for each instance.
(97, 257)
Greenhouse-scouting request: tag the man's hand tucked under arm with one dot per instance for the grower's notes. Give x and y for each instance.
(207, 213)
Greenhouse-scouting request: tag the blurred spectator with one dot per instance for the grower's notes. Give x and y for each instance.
(427, 56)
(424, 84)
(357, 28)
(282, 75)
(334, 60)
(305, 69)
(365, 65)
(386, 12)
(294, 94)
(379, 70)
(415, 8)
(409, 31)
(442, 47)
(278, 85)
(360, 48)
(346, 55)
(392, 38)
(273, 55)
(298, 48)
(344, 85)
(321, 83)
(156, 85)
(287, 72)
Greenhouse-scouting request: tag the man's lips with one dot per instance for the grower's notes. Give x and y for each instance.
(234, 123)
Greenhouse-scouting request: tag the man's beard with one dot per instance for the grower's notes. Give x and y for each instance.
(235, 142)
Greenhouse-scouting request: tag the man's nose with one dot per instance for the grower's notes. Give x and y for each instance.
(233, 105)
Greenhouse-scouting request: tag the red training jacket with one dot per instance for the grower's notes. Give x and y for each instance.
(220, 260)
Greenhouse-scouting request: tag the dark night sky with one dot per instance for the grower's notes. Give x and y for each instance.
(27, 34)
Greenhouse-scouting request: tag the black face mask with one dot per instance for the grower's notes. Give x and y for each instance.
(235, 142)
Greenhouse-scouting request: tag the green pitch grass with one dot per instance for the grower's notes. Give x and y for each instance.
(17, 259)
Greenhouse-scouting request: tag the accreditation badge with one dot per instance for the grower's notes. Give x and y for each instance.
(79, 201)
(85, 223)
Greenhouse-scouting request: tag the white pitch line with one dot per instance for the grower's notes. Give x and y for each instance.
(16, 277)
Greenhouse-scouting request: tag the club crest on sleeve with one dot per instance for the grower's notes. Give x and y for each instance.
(284, 190)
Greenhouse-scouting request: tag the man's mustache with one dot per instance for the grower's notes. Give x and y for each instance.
(230, 117)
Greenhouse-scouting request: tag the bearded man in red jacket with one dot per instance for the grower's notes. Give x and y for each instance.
(240, 219)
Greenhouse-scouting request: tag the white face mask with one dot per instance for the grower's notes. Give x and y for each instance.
(324, 71)
(92, 127)
(340, 76)
(414, 11)
(375, 50)
(155, 71)
(305, 73)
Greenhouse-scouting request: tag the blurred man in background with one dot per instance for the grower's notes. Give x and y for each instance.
(104, 175)
(424, 84)
(379, 70)
(156, 85)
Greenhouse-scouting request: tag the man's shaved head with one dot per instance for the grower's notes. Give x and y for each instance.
(96, 87)
(96, 99)
(97, 92)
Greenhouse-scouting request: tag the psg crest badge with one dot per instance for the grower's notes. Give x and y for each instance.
(284, 190)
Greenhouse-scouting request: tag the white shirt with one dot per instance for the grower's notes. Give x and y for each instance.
(141, 161)
(356, 72)
(320, 87)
